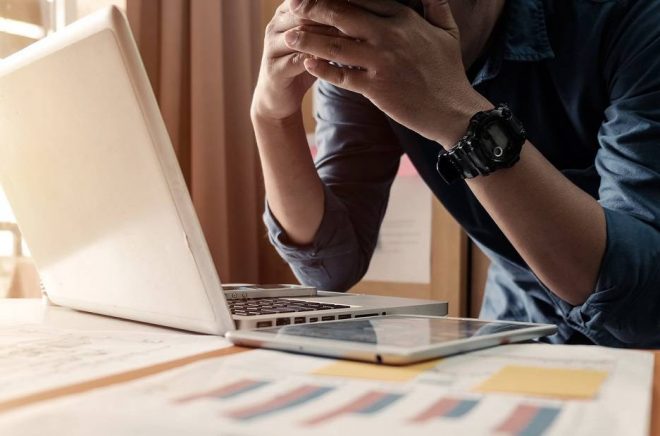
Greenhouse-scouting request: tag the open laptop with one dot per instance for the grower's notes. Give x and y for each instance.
(91, 174)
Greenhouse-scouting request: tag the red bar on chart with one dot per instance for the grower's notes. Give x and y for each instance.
(529, 420)
(367, 404)
(446, 408)
(225, 392)
(291, 399)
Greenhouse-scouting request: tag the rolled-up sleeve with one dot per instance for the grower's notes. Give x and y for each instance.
(357, 160)
(624, 309)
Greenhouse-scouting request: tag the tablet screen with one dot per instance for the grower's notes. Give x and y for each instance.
(398, 331)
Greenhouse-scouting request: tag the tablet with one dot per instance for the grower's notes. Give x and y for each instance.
(394, 340)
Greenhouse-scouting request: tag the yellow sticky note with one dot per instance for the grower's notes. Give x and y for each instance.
(562, 383)
(343, 368)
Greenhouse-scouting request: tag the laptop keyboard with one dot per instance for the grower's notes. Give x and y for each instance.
(270, 306)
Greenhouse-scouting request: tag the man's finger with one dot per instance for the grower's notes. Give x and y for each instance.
(352, 80)
(289, 66)
(438, 13)
(351, 20)
(285, 21)
(277, 46)
(339, 49)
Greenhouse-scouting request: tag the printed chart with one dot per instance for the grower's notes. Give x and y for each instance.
(446, 408)
(265, 392)
(529, 420)
(525, 419)
(288, 400)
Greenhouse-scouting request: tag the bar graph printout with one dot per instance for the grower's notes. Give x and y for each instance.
(266, 392)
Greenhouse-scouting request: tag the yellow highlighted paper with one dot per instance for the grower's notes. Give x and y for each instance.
(375, 372)
(547, 382)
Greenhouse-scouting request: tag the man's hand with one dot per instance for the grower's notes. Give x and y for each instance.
(409, 67)
(283, 80)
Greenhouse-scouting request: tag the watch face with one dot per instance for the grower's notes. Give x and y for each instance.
(497, 141)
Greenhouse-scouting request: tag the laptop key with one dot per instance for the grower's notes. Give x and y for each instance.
(283, 310)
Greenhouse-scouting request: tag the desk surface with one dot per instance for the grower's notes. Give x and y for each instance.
(35, 311)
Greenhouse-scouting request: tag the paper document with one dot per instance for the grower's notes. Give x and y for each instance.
(267, 392)
(403, 251)
(35, 358)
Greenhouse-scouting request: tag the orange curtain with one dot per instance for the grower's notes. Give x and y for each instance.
(202, 57)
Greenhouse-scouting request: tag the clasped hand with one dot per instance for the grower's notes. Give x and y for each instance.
(407, 65)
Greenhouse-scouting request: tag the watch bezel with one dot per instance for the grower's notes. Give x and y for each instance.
(474, 155)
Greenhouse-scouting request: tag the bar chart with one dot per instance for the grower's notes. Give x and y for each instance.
(524, 420)
(452, 408)
(279, 403)
(226, 392)
(529, 420)
(370, 403)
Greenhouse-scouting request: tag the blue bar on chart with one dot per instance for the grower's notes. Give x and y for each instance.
(370, 403)
(294, 398)
(228, 391)
(452, 408)
(529, 420)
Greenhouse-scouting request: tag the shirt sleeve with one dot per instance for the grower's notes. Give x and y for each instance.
(625, 306)
(357, 160)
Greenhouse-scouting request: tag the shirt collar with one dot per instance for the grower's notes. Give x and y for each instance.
(523, 37)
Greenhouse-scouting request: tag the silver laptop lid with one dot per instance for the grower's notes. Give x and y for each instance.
(92, 177)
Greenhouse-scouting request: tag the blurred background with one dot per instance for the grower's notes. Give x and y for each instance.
(202, 57)
(23, 22)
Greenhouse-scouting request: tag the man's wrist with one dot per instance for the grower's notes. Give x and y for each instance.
(456, 123)
(264, 119)
(273, 108)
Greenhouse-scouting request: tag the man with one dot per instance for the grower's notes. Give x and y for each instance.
(567, 209)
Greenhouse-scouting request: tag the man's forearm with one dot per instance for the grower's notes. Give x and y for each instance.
(293, 188)
(557, 228)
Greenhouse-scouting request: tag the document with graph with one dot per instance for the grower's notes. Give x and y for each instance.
(526, 390)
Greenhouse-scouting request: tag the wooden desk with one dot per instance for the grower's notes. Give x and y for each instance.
(34, 311)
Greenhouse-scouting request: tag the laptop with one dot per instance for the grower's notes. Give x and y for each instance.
(89, 169)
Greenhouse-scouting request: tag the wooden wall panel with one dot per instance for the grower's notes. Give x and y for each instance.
(449, 261)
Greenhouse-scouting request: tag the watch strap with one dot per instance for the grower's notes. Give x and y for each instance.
(462, 162)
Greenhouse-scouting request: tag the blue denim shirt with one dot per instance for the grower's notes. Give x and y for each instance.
(584, 78)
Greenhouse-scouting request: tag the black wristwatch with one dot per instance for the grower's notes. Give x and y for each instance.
(493, 141)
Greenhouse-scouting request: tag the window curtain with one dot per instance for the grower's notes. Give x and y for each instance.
(202, 57)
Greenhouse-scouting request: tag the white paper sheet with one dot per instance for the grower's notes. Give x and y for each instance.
(265, 392)
(403, 253)
(35, 358)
